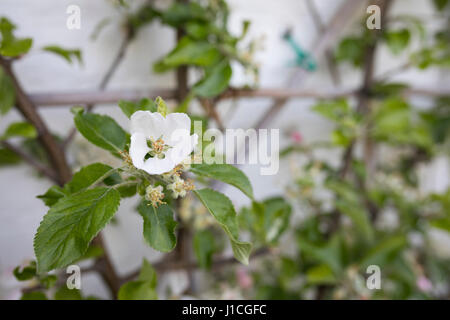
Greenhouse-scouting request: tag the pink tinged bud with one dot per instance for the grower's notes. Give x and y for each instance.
(245, 281)
(424, 284)
(296, 137)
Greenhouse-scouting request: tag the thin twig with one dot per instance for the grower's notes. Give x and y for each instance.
(320, 26)
(210, 109)
(46, 171)
(98, 97)
(28, 109)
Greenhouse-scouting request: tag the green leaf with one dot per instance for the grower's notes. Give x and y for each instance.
(69, 226)
(137, 290)
(159, 226)
(10, 45)
(20, 129)
(16, 47)
(34, 295)
(333, 110)
(327, 253)
(321, 274)
(101, 130)
(388, 89)
(398, 40)
(204, 247)
(225, 173)
(276, 218)
(348, 202)
(26, 273)
(7, 92)
(67, 54)
(65, 293)
(222, 209)
(441, 4)
(89, 174)
(8, 157)
(92, 252)
(142, 289)
(215, 80)
(384, 251)
(161, 106)
(351, 49)
(443, 223)
(82, 179)
(188, 52)
(180, 13)
(147, 273)
(52, 195)
(128, 108)
(358, 216)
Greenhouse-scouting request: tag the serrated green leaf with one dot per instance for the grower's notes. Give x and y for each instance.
(142, 289)
(101, 130)
(67, 54)
(159, 226)
(225, 173)
(222, 209)
(89, 174)
(52, 195)
(69, 226)
(7, 92)
(20, 129)
(128, 107)
(215, 80)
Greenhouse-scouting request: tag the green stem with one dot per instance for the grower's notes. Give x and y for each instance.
(126, 183)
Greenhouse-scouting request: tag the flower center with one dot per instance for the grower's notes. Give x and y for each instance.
(157, 148)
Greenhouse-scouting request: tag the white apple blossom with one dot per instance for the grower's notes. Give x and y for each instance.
(158, 143)
(179, 187)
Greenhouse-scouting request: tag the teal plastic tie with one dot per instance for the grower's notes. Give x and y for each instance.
(303, 58)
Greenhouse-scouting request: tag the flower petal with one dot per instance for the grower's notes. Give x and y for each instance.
(150, 124)
(176, 121)
(158, 166)
(138, 149)
(183, 148)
